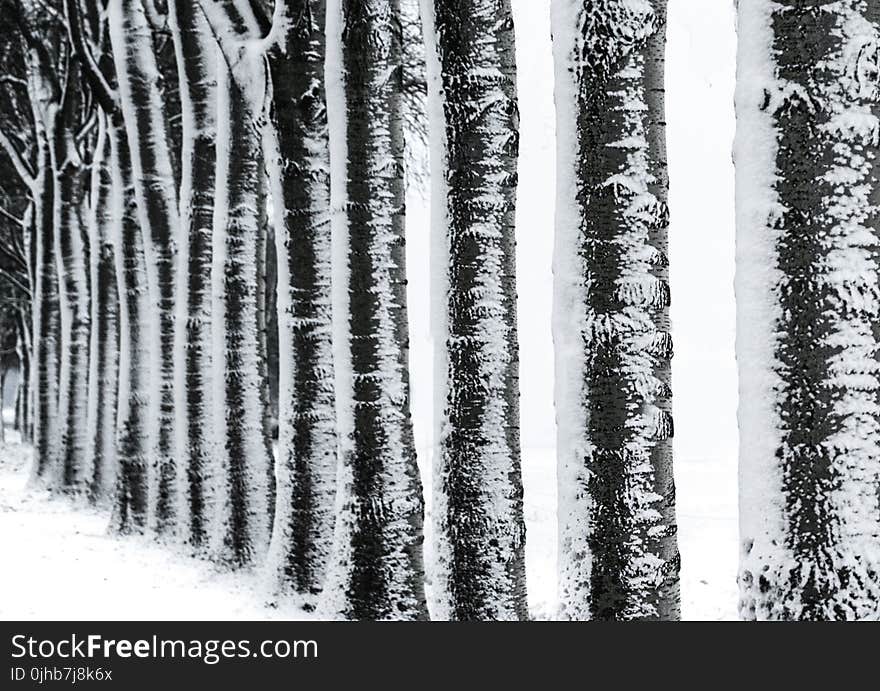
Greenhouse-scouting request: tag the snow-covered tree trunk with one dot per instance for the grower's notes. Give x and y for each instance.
(132, 427)
(262, 307)
(618, 557)
(808, 225)
(196, 64)
(71, 256)
(377, 568)
(104, 348)
(307, 452)
(242, 520)
(478, 494)
(46, 317)
(152, 168)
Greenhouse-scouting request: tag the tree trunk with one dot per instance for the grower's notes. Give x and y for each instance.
(808, 224)
(196, 63)
(104, 349)
(244, 463)
(618, 557)
(478, 504)
(75, 467)
(377, 571)
(23, 395)
(47, 324)
(132, 435)
(307, 452)
(154, 182)
(3, 373)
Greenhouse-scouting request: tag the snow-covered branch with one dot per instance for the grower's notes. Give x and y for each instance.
(19, 162)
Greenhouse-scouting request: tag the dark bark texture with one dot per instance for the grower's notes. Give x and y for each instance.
(627, 507)
(383, 575)
(307, 414)
(46, 316)
(149, 136)
(104, 348)
(197, 58)
(481, 527)
(69, 205)
(825, 226)
(132, 442)
(239, 248)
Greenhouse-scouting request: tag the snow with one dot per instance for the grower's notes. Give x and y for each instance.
(112, 579)
(438, 254)
(131, 578)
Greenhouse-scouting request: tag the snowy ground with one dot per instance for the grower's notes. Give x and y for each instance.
(59, 562)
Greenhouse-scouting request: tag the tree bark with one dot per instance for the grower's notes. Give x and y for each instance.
(243, 520)
(478, 497)
(104, 348)
(47, 323)
(377, 571)
(75, 467)
(153, 174)
(23, 395)
(618, 555)
(305, 506)
(133, 437)
(808, 224)
(197, 67)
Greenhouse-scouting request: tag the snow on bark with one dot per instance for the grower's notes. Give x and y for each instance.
(133, 422)
(376, 570)
(104, 347)
(196, 446)
(808, 302)
(242, 520)
(478, 505)
(23, 350)
(300, 173)
(138, 74)
(46, 321)
(74, 468)
(618, 557)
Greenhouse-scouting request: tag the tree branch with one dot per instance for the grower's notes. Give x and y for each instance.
(22, 167)
(15, 283)
(12, 217)
(10, 79)
(14, 258)
(104, 93)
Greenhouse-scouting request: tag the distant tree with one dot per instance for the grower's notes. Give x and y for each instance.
(618, 557)
(25, 139)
